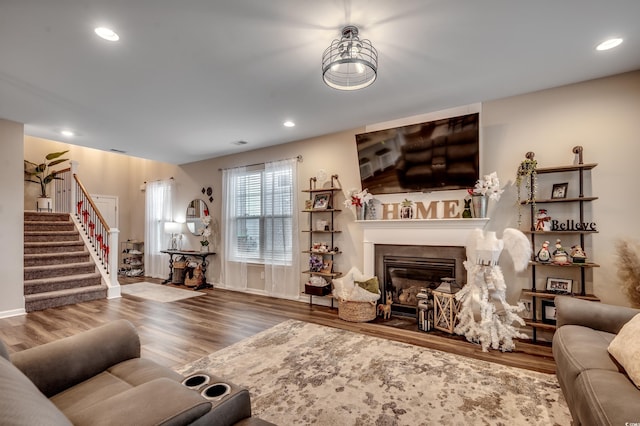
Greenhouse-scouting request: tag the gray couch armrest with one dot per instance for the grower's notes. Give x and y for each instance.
(595, 315)
(158, 402)
(56, 366)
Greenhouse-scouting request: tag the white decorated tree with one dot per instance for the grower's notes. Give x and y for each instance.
(486, 290)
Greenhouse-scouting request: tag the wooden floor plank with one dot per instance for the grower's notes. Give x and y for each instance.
(176, 333)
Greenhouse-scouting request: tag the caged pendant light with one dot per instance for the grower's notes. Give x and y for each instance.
(350, 63)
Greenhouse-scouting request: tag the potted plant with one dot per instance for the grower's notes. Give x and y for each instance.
(43, 176)
(486, 188)
(526, 173)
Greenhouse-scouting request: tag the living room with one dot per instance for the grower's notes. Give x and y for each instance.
(548, 122)
(598, 114)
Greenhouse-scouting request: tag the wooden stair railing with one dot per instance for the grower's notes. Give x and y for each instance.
(72, 197)
(93, 224)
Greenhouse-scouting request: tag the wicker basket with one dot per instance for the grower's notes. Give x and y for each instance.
(178, 272)
(356, 311)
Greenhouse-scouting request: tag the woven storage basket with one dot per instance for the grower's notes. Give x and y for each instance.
(178, 272)
(356, 311)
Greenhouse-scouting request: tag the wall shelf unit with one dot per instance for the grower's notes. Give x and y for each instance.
(576, 205)
(321, 210)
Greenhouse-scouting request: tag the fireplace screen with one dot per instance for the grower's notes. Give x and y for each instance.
(404, 277)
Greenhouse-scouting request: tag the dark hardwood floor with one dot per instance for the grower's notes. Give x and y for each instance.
(179, 332)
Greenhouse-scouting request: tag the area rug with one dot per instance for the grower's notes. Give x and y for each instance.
(158, 292)
(301, 373)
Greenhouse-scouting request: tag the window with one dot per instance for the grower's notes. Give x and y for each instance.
(260, 215)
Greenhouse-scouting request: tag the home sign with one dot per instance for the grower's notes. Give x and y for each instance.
(437, 209)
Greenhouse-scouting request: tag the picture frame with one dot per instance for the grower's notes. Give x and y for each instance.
(327, 266)
(321, 201)
(559, 285)
(559, 190)
(308, 204)
(548, 312)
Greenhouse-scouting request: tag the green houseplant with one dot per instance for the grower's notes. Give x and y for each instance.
(41, 173)
(526, 173)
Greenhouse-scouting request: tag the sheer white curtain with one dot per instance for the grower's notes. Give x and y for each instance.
(282, 268)
(261, 227)
(234, 268)
(158, 210)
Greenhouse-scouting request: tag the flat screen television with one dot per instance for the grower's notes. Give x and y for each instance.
(435, 155)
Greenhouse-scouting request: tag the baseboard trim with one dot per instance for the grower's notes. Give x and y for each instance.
(12, 313)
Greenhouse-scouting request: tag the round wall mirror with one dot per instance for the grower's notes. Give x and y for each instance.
(196, 210)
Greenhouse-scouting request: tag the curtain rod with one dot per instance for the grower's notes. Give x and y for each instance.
(297, 157)
(158, 180)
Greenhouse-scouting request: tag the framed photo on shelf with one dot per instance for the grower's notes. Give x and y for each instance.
(548, 312)
(559, 190)
(308, 204)
(559, 285)
(327, 266)
(321, 200)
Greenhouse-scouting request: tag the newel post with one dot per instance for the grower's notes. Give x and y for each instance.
(73, 199)
(114, 284)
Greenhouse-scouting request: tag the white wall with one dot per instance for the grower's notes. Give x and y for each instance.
(600, 115)
(12, 223)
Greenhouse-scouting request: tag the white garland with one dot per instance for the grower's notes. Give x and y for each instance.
(496, 329)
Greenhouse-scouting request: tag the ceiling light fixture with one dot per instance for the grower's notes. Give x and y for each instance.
(107, 34)
(350, 63)
(67, 133)
(288, 123)
(609, 44)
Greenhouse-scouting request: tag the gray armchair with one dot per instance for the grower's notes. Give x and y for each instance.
(98, 378)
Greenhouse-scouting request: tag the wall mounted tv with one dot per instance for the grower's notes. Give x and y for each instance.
(435, 155)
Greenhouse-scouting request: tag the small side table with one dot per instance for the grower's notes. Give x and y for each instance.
(191, 253)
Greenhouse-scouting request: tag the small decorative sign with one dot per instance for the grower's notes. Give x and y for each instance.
(572, 225)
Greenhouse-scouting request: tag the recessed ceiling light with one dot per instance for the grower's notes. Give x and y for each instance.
(609, 44)
(67, 133)
(107, 34)
(240, 142)
(288, 123)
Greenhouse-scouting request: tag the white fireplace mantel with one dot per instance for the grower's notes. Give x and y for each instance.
(426, 232)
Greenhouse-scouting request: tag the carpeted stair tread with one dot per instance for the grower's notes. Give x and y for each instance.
(43, 285)
(46, 217)
(36, 226)
(53, 247)
(37, 259)
(50, 236)
(52, 299)
(57, 270)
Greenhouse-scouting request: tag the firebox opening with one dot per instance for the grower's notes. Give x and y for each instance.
(405, 270)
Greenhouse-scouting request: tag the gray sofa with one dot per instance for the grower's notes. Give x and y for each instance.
(595, 386)
(98, 378)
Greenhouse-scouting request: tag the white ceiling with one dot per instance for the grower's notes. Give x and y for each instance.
(188, 78)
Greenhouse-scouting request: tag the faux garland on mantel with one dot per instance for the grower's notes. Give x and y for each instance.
(527, 172)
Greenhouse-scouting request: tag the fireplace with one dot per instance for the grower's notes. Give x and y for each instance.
(403, 270)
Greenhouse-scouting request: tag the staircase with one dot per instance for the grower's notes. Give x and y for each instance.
(58, 269)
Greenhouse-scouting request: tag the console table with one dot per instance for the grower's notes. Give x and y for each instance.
(192, 253)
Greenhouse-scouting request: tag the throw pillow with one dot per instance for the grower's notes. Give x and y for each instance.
(625, 348)
(370, 285)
